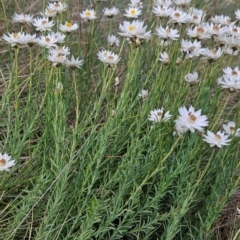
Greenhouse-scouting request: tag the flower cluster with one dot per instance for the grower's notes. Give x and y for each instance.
(230, 78)
(192, 120)
(54, 8)
(190, 41)
(51, 40)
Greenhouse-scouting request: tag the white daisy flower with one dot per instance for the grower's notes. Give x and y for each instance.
(200, 32)
(191, 49)
(110, 12)
(178, 16)
(192, 77)
(230, 129)
(191, 119)
(180, 129)
(57, 7)
(59, 37)
(56, 58)
(73, 63)
(60, 50)
(133, 12)
(143, 94)
(215, 29)
(134, 30)
(43, 24)
(48, 13)
(88, 15)
(218, 139)
(161, 11)
(167, 33)
(196, 16)
(22, 18)
(135, 3)
(113, 40)
(212, 54)
(15, 39)
(51, 40)
(108, 57)
(48, 41)
(233, 83)
(164, 58)
(157, 115)
(68, 27)
(6, 162)
(230, 72)
(233, 30)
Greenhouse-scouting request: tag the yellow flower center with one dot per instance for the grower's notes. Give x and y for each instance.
(68, 24)
(214, 51)
(192, 48)
(3, 162)
(191, 118)
(168, 31)
(218, 137)
(177, 15)
(131, 28)
(200, 30)
(15, 35)
(88, 13)
(49, 12)
(133, 11)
